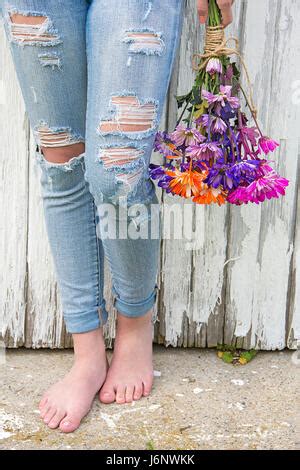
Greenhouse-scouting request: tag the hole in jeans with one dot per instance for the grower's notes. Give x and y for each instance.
(55, 137)
(113, 157)
(35, 29)
(130, 116)
(144, 42)
(131, 179)
(50, 60)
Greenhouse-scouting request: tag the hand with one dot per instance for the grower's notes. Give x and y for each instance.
(225, 7)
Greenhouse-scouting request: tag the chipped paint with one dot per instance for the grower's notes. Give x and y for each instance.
(249, 243)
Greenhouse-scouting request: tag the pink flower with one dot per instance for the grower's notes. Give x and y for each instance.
(218, 126)
(214, 65)
(204, 151)
(267, 186)
(250, 133)
(222, 98)
(267, 145)
(186, 136)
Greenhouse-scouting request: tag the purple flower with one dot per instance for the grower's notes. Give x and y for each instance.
(231, 175)
(227, 112)
(267, 145)
(163, 143)
(218, 126)
(204, 151)
(222, 98)
(156, 171)
(183, 135)
(214, 65)
(246, 170)
(164, 183)
(221, 174)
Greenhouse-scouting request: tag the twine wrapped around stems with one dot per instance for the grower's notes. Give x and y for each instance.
(216, 45)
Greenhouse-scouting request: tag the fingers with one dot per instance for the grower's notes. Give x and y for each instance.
(202, 8)
(226, 11)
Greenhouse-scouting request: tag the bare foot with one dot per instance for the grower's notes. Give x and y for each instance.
(130, 375)
(68, 401)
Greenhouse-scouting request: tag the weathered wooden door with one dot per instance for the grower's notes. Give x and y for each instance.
(239, 283)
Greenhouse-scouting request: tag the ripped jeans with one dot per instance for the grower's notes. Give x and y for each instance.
(97, 72)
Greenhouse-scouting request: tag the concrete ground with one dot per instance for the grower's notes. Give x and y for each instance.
(198, 402)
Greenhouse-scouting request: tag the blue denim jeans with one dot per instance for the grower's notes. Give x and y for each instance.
(97, 72)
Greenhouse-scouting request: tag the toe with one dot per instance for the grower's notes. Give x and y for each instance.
(55, 421)
(107, 394)
(120, 395)
(70, 423)
(129, 393)
(45, 410)
(138, 391)
(43, 403)
(49, 415)
(147, 386)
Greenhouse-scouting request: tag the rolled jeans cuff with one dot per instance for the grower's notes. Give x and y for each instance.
(86, 321)
(134, 310)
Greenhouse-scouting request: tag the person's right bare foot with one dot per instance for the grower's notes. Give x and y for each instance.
(66, 403)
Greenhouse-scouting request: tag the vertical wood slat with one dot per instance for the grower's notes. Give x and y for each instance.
(262, 238)
(14, 131)
(241, 285)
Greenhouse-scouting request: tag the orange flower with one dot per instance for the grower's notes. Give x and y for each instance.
(209, 195)
(186, 184)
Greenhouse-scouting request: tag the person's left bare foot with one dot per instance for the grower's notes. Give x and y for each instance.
(130, 375)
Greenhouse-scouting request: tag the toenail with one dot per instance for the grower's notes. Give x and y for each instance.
(66, 424)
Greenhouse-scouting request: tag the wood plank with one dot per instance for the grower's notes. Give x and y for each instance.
(13, 202)
(261, 239)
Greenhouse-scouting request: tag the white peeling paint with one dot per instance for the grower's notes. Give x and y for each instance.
(253, 261)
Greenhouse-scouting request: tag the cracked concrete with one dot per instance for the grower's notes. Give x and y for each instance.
(198, 402)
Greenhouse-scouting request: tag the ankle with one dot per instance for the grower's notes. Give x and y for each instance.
(134, 323)
(88, 346)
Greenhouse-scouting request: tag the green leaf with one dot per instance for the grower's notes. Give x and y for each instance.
(150, 445)
(227, 357)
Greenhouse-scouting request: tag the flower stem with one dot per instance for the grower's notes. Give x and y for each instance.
(214, 14)
(250, 107)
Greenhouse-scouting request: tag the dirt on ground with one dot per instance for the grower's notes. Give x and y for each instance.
(198, 402)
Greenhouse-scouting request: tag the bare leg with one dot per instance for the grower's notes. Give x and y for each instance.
(68, 401)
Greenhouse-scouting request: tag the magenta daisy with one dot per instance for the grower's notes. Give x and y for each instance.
(267, 145)
(269, 185)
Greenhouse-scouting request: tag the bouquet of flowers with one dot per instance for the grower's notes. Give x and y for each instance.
(214, 155)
